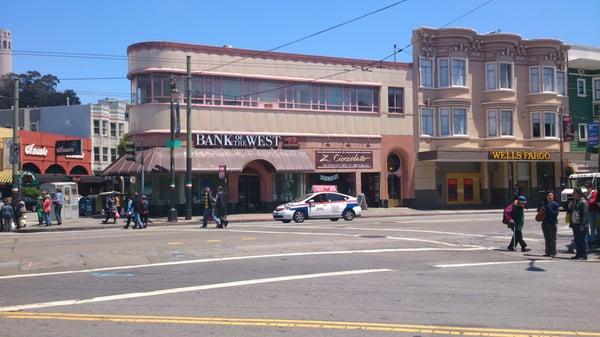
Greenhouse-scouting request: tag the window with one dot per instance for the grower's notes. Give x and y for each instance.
(490, 76)
(121, 130)
(113, 129)
(104, 154)
(536, 128)
(335, 197)
(444, 122)
(560, 83)
(96, 153)
(426, 72)
(506, 75)
(113, 155)
(396, 99)
(443, 72)
(582, 132)
(548, 79)
(596, 86)
(534, 79)
(105, 128)
(96, 127)
(549, 128)
(427, 122)
(459, 72)
(492, 123)
(581, 87)
(506, 122)
(459, 121)
(549, 124)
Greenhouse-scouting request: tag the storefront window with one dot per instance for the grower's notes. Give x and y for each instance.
(345, 182)
(288, 186)
(545, 177)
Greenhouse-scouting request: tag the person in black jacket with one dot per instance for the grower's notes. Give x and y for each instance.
(579, 223)
(221, 208)
(550, 209)
(208, 203)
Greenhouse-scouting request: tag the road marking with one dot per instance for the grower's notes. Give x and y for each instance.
(246, 257)
(248, 239)
(459, 265)
(213, 241)
(187, 289)
(175, 243)
(306, 324)
(437, 232)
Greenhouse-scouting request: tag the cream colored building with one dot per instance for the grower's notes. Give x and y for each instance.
(489, 110)
(281, 122)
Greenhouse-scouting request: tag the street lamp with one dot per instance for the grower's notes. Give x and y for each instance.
(174, 93)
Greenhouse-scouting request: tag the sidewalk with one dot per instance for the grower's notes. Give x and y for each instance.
(89, 223)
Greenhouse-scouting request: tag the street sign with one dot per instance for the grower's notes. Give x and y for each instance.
(593, 134)
(15, 151)
(176, 143)
(222, 172)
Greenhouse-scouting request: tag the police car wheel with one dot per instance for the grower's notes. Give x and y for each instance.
(298, 216)
(334, 219)
(348, 215)
(286, 221)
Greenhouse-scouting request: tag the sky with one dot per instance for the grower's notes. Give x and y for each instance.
(109, 26)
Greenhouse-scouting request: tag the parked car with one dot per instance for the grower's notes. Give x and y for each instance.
(329, 205)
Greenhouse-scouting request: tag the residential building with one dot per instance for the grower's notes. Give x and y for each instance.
(584, 103)
(489, 108)
(281, 123)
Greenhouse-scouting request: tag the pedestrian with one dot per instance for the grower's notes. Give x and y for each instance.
(118, 204)
(514, 216)
(59, 200)
(47, 205)
(221, 208)
(145, 211)
(137, 209)
(591, 193)
(39, 207)
(208, 204)
(7, 216)
(579, 222)
(110, 209)
(20, 210)
(549, 210)
(129, 211)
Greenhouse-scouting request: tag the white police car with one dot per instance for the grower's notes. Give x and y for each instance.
(325, 205)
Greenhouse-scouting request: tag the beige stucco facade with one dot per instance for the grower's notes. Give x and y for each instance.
(513, 92)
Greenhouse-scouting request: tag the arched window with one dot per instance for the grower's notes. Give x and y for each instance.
(55, 169)
(31, 168)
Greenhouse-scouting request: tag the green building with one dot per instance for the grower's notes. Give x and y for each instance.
(584, 103)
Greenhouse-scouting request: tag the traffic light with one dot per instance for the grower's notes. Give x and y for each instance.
(130, 151)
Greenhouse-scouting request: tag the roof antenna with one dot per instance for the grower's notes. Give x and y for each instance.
(497, 31)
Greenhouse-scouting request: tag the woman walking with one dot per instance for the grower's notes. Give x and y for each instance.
(549, 209)
(47, 210)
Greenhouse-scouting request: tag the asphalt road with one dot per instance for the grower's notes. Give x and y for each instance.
(405, 276)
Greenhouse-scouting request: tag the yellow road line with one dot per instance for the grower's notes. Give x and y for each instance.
(174, 243)
(307, 324)
(248, 239)
(213, 241)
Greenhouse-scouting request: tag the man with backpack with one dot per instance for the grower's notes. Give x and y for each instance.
(514, 218)
(7, 216)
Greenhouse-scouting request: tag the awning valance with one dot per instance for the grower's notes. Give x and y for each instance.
(209, 160)
(6, 177)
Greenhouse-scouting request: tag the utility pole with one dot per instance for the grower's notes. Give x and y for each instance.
(172, 210)
(188, 147)
(15, 143)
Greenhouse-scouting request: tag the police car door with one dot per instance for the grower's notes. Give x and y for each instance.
(319, 208)
(337, 204)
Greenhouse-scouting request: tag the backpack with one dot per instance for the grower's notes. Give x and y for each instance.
(7, 211)
(507, 210)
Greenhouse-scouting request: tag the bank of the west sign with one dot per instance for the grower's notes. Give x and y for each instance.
(203, 140)
(519, 155)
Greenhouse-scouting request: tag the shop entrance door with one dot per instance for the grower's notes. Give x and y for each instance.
(249, 193)
(370, 188)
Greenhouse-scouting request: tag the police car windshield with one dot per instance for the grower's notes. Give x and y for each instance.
(302, 198)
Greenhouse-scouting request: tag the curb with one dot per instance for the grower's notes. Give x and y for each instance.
(56, 228)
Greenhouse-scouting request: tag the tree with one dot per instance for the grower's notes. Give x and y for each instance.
(121, 146)
(35, 90)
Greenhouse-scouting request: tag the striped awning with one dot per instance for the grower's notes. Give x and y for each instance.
(6, 177)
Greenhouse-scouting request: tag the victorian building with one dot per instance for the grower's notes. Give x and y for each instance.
(489, 109)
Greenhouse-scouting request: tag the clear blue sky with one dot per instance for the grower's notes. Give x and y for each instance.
(109, 26)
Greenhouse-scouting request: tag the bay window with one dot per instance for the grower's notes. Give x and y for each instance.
(443, 72)
(427, 122)
(506, 75)
(444, 122)
(459, 72)
(459, 121)
(560, 83)
(549, 124)
(506, 122)
(549, 127)
(492, 123)
(426, 72)
(500, 123)
(548, 79)
(490, 76)
(534, 80)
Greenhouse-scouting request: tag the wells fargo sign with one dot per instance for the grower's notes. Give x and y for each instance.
(520, 155)
(344, 159)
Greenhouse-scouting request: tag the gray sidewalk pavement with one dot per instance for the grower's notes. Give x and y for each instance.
(91, 223)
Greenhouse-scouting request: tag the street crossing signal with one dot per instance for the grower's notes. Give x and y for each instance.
(130, 151)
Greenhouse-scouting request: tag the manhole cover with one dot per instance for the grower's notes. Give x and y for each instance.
(372, 236)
